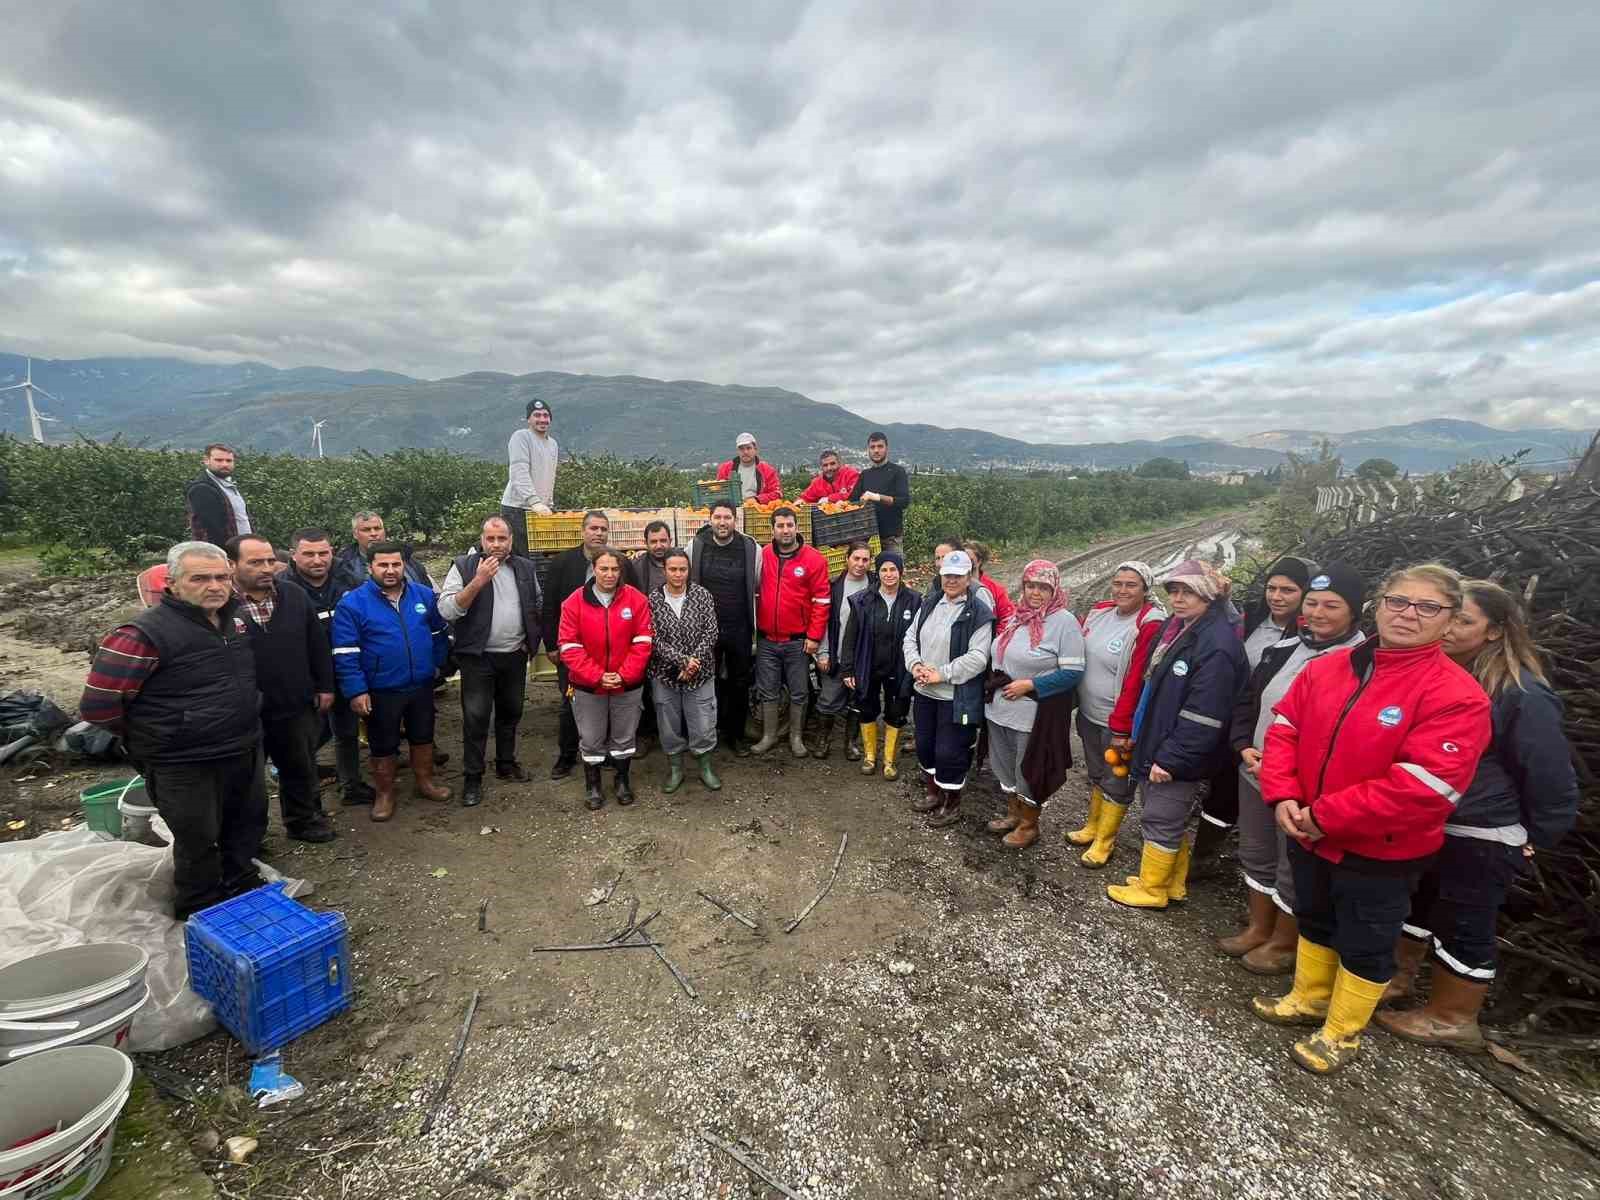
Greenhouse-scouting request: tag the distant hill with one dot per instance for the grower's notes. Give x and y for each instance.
(1424, 446)
(171, 401)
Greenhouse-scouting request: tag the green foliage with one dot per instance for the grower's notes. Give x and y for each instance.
(1162, 468)
(1375, 470)
(1294, 509)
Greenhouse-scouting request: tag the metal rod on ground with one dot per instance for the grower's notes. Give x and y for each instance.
(455, 1064)
(633, 927)
(749, 1164)
(805, 912)
(737, 916)
(627, 926)
(592, 946)
(682, 979)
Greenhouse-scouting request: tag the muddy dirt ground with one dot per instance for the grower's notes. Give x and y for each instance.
(952, 1020)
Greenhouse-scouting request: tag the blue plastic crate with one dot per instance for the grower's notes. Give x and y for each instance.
(270, 967)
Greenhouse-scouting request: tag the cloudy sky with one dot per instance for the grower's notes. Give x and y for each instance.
(1065, 221)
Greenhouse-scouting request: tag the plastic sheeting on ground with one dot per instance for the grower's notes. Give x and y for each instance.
(66, 889)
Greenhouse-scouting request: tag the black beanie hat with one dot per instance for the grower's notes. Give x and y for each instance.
(1343, 581)
(1297, 569)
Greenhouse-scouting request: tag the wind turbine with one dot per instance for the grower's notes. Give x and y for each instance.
(28, 387)
(316, 436)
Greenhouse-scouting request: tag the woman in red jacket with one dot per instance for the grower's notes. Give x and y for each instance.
(1365, 760)
(606, 637)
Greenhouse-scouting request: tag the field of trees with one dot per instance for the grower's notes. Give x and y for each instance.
(92, 506)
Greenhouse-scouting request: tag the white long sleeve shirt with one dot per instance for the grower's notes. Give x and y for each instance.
(532, 477)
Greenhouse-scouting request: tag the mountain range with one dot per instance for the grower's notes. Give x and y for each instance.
(168, 401)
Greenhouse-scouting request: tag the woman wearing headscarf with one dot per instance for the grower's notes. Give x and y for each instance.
(606, 637)
(1523, 799)
(1119, 635)
(1179, 738)
(1038, 660)
(946, 653)
(875, 669)
(1366, 758)
(1330, 610)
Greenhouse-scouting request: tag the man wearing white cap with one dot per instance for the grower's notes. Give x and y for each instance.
(757, 480)
(531, 483)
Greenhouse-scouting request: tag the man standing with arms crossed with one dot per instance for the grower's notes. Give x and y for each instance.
(569, 571)
(495, 634)
(792, 618)
(727, 564)
(531, 480)
(884, 485)
(216, 509)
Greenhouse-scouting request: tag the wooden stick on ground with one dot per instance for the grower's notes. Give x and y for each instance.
(844, 840)
(455, 1064)
(683, 980)
(737, 916)
(749, 1164)
(633, 927)
(592, 946)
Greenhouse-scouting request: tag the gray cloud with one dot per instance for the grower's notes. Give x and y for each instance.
(1073, 222)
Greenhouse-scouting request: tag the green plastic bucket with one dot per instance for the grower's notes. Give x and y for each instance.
(100, 803)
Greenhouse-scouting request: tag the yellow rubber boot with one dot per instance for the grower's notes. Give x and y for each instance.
(1105, 834)
(1178, 889)
(869, 747)
(1149, 890)
(1339, 1040)
(1308, 999)
(891, 747)
(1082, 837)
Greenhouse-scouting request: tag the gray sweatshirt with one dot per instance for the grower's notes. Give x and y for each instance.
(935, 650)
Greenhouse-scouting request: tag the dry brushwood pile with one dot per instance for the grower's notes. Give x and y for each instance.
(1546, 547)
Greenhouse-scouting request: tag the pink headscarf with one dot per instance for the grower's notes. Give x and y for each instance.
(1040, 570)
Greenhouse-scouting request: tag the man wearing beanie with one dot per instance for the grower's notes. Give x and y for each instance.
(531, 482)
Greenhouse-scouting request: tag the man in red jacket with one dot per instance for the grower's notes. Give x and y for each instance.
(757, 480)
(791, 619)
(834, 483)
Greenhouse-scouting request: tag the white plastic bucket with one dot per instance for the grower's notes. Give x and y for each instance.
(74, 995)
(58, 1119)
(136, 820)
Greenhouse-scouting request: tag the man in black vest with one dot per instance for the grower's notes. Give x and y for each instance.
(294, 670)
(492, 598)
(311, 567)
(569, 571)
(727, 564)
(178, 683)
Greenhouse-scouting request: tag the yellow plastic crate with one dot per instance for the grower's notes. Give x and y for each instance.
(557, 531)
(628, 524)
(759, 524)
(836, 555)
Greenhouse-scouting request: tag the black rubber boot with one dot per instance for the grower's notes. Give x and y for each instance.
(593, 797)
(472, 791)
(624, 784)
(824, 738)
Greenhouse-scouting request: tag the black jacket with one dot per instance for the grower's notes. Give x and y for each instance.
(294, 659)
(569, 571)
(211, 517)
(860, 649)
(350, 567)
(890, 479)
(1525, 777)
(471, 632)
(1189, 696)
(201, 702)
(641, 575)
(1247, 711)
(752, 570)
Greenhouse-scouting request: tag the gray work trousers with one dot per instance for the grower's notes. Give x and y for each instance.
(1096, 741)
(607, 723)
(1263, 847)
(1167, 810)
(1006, 749)
(833, 697)
(694, 709)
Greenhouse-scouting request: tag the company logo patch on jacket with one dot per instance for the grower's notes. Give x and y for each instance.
(238, 625)
(1180, 668)
(1321, 583)
(419, 607)
(1114, 646)
(1390, 717)
(627, 614)
(799, 572)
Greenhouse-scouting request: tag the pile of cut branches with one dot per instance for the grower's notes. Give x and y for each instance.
(1546, 547)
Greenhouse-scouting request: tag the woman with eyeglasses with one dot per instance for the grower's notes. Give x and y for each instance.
(1366, 759)
(1524, 797)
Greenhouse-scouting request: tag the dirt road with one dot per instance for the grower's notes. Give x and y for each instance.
(953, 1020)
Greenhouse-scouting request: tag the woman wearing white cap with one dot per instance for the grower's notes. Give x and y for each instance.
(947, 652)
(1180, 730)
(1119, 634)
(758, 480)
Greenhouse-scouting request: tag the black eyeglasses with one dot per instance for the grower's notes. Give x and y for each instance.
(1425, 608)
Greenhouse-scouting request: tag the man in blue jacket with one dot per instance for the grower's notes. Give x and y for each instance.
(389, 646)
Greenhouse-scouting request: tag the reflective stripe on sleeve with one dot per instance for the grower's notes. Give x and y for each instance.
(572, 645)
(1200, 718)
(1422, 773)
(347, 649)
(1070, 664)
(642, 638)
(1459, 967)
